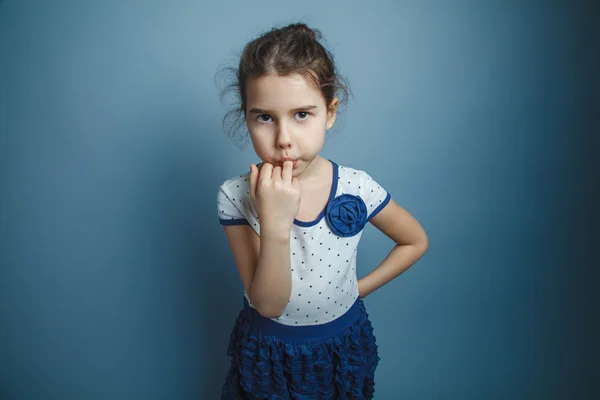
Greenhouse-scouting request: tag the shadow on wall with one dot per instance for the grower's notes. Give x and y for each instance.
(201, 287)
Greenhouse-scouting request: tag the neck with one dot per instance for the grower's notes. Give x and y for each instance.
(314, 172)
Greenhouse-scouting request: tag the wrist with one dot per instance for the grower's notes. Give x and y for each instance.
(279, 236)
(277, 231)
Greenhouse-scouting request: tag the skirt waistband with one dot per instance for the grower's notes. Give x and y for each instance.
(304, 332)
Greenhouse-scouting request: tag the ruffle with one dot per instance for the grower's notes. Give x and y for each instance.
(263, 367)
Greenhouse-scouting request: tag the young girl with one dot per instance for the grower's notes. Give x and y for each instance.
(293, 224)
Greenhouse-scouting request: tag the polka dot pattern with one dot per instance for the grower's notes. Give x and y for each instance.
(323, 265)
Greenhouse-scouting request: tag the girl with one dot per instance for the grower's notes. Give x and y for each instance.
(293, 224)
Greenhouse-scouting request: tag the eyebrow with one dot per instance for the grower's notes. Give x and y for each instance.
(261, 111)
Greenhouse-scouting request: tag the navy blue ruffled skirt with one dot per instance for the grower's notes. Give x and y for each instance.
(269, 360)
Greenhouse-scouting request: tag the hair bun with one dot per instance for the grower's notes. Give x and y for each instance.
(305, 30)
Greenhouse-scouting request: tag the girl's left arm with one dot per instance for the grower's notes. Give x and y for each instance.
(411, 243)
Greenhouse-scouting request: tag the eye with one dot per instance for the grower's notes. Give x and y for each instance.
(303, 115)
(263, 118)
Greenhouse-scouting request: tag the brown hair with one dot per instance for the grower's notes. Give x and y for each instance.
(294, 48)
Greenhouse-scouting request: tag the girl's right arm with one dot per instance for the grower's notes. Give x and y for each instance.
(264, 263)
(264, 267)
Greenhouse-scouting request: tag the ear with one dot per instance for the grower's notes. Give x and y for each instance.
(332, 111)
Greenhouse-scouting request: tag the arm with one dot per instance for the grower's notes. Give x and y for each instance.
(411, 243)
(264, 267)
(264, 263)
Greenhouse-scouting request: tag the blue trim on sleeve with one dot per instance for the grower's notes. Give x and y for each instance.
(380, 207)
(239, 221)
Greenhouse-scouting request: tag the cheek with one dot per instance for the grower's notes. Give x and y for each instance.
(315, 137)
(261, 144)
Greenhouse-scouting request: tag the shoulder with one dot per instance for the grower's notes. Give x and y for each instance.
(234, 203)
(235, 190)
(353, 178)
(238, 184)
(236, 181)
(360, 183)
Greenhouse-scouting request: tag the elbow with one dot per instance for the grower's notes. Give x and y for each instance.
(423, 244)
(268, 307)
(269, 312)
(419, 245)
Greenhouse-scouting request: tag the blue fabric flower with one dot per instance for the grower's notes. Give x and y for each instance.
(346, 215)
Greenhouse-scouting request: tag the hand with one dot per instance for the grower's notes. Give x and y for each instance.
(276, 196)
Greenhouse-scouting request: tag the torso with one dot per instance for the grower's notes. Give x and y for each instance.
(323, 263)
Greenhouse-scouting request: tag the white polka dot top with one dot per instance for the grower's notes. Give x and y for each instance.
(323, 251)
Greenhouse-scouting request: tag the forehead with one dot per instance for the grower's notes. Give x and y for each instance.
(276, 92)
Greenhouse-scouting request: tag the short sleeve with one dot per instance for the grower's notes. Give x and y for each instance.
(228, 212)
(374, 195)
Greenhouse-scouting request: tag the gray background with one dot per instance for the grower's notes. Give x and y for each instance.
(481, 118)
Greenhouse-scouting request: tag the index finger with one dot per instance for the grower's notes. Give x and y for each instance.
(265, 172)
(287, 171)
(253, 179)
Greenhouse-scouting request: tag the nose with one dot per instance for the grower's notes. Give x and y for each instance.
(284, 139)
